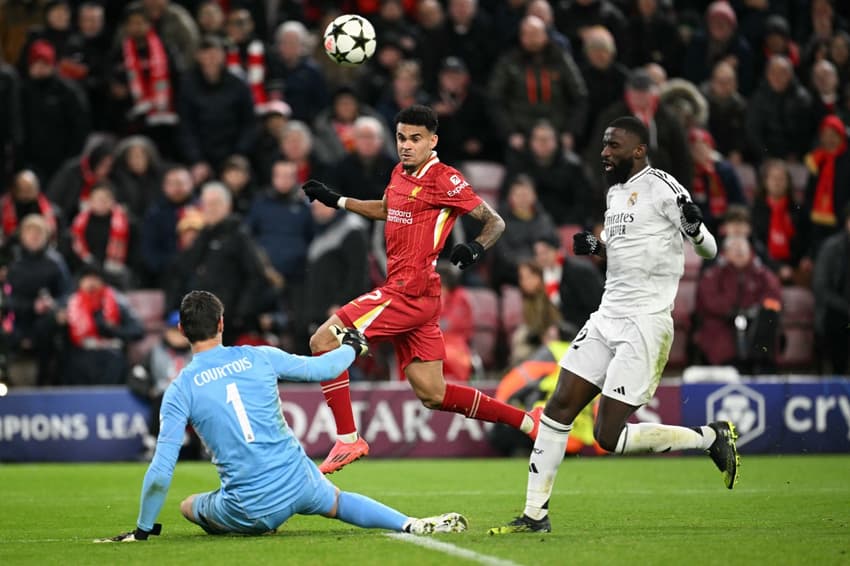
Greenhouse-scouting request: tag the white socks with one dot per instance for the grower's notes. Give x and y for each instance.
(551, 443)
(651, 437)
(527, 424)
(349, 438)
(543, 465)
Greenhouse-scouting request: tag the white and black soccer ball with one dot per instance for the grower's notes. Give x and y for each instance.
(350, 40)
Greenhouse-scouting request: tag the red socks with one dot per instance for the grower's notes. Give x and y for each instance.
(476, 405)
(458, 399)
(338, 397)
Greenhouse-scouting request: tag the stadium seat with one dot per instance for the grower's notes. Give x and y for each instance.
(149, 306)
(693, 264)
(486, 179)
(749, 180)
(678, 358)
(511, 309)
(683, 309)
(485, 314)
(798, 352)
(685, 303)
(567, 232)
(798, 306)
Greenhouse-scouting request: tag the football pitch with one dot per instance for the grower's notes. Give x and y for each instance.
(635, 511)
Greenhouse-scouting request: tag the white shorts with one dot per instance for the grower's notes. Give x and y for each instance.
(624, 357)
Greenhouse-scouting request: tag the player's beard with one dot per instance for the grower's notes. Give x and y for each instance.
(621, 172)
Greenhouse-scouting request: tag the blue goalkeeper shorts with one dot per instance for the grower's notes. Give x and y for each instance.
(218, 515)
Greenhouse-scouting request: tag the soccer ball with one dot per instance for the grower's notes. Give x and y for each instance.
(350, 40)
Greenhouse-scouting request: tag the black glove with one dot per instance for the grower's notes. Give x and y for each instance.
(103, 327)
(464, 255)
(316, 190)
(133, 536)
(351, 337)
(690, 215)
(585, 243)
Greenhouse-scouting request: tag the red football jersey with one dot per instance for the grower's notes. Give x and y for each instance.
(421, 210)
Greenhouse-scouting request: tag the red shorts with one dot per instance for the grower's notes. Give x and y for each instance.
(412, 324)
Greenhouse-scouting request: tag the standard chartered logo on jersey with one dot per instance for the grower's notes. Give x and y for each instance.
(212, 374)
(399, 216)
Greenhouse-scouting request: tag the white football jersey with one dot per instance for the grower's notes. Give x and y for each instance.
(643, 243)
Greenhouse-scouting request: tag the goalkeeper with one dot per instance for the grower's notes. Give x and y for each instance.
(230, 396)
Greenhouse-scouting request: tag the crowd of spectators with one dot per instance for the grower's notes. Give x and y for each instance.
(161, 144)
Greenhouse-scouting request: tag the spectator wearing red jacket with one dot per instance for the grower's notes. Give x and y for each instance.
(737, 301)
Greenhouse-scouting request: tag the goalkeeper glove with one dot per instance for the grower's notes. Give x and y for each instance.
(351, 337)
(316, 190)
(133, 536)
(464, 255)
(585, 243)
(690, 216)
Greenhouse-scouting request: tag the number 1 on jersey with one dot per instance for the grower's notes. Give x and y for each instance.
(242, 416)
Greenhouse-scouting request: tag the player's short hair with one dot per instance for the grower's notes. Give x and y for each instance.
(200, 312)
(632, 125)
(418, 115)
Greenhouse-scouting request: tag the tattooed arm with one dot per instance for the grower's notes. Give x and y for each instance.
(493, 224)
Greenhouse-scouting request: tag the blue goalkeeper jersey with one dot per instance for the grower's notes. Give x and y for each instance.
(230, 397)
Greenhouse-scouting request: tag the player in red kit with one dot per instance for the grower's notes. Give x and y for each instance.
(421, 203)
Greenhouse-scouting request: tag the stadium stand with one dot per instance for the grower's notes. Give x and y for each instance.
(566, 232)
(749, 180)
(798, 304)
(683, 310)
(799, 179)
(149, 306)
(485, 313)
(486, 178)
(510, 309)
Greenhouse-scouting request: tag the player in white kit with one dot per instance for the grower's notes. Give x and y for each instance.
(623, 348)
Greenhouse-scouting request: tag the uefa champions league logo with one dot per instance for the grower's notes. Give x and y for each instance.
(742, 406)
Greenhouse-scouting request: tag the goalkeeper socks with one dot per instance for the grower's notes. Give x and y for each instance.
(338, 397)
(651, 437)
(543, 465)
(475, 405)
(365, 512)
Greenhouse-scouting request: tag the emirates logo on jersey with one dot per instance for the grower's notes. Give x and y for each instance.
(632, 199)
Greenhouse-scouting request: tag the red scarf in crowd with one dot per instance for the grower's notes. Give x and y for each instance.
(81, 310)
(303, 171)
(708, 187)
(345, 134)
(10, 216)
(253, 71)
(552, 280)
(119, 235)
(538, 88)
(822, 163)
(152, 94)
(781, 229)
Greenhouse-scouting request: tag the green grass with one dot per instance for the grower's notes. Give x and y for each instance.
(636, 511)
